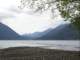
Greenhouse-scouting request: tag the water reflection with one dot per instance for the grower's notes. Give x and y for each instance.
(47, 44)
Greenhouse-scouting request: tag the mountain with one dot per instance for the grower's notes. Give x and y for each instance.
(7, 33)
(36, 34)
(62, 32)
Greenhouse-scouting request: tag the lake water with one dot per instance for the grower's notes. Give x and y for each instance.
(71, 45)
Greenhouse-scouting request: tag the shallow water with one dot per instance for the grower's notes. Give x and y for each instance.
(71, 45)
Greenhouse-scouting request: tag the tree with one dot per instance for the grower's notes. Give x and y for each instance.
(69, 9)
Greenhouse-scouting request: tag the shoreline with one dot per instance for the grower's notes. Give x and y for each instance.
(36, 53)
(47, 44)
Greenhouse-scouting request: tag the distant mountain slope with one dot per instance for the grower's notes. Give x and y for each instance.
(8, 33)
(36, 34)
(63, 32)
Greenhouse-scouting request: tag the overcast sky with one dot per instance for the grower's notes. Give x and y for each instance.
(24, 21)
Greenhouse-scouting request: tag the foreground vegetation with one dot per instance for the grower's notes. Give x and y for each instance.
(69, 9)
(35, 53)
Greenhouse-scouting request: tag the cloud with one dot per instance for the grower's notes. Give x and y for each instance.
(8, 9)
(5, 14)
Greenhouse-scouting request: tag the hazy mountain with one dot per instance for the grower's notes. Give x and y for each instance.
(62, 32)
(36, 34)
(8, 33)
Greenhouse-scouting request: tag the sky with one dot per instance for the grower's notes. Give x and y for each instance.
(25, 21)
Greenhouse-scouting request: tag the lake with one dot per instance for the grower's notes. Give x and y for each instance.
(71, 45)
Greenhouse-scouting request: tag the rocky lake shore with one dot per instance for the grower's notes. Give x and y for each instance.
(36, 53)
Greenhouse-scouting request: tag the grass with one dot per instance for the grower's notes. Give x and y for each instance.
(35, 53)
